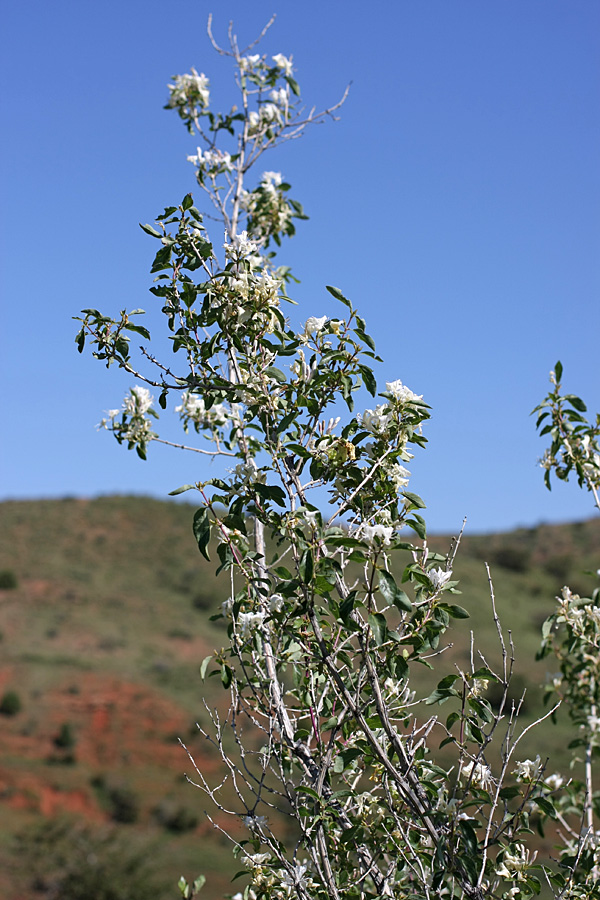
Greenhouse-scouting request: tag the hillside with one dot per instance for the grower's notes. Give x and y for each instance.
(103, 625)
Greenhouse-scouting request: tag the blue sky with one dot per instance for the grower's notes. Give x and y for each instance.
(457, 202)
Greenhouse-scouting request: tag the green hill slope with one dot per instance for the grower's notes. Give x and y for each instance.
(103, 625)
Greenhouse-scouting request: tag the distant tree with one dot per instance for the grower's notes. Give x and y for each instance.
(8, 580)
(10, 704)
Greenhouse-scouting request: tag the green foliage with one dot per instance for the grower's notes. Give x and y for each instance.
(8, 580)
(10, 704)
(75, 862)
(65, 739)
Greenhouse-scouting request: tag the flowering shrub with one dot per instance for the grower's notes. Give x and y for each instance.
(572, 635)
(332, 607)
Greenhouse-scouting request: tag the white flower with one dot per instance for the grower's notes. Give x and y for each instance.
(269, 112)
(477, 773)
(226, 608)
(554, 782)
(529, 769)
(252, 822)
(271, 178)
(138, 402)
(296, 878)
(401, 393)
(186, 86)
(515, 862)
(438, 578)
(212, 160)
(593, 724)
(380, 533)
(241, 246)
(375, 420)
(249, 62)
(282, 62)
(314, 325)
(479, 686)
(255, 860)
(276, 603)
(193, 408)
(399, 475)
(247, 622)
(280, 97)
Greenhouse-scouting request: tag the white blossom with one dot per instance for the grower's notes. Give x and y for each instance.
(529, 769)
(381, 533)
(271, 179)
(314, 325)
(439, 578)
(186, 86)
(478, 773)
(554, 782)
(297, 878)
(138, 401)
(283, 62)
(252, 821)
(212, 160)
(399, 475)
(375, 420)
(276, 603)
(192, 408)
(227, 608)
(594, 724)
(401, 393)
(515, 862)
(241, 246)
(479, 686)
(249, 62)
(280, 97)
(248, 622)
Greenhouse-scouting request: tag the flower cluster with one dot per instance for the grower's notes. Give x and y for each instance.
(188, 93)
(192, 410)
(213, 161)
(269, 211)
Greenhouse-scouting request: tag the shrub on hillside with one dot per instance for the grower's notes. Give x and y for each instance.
(76, 862)
(8, 580)
(10, 704)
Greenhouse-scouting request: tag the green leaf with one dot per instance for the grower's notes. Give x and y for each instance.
(378, 627)
(369, 380)
(187, 202)
(508, 793)
(457, 612)
(80, 340)
(293, 85)
(199, 882)
(201, 528)
(558, 370)
(335, 292)
(417, 523)
(139, 329)
(306, 566)
(414, 500)
(182, 489)
(576, 402)
(392, 593)
(388, 586)
(226, 675)
(204, 666)
(275, 373)
(150, 230)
